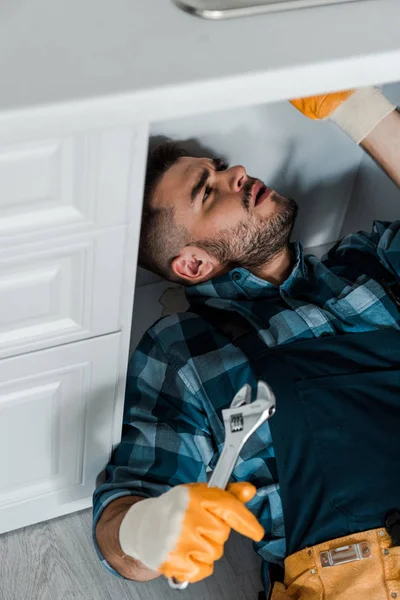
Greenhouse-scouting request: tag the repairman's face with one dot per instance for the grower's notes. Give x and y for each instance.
(232, 218)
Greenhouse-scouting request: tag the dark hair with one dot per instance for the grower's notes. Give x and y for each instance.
(161, 240)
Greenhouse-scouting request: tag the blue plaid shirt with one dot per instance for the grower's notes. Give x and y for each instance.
(184, 372)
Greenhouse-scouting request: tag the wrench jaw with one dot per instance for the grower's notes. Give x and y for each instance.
(242, 397)
(245, 416)
(240, 423)
(265, 393)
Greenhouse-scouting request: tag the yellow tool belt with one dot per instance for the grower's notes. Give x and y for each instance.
(362, 566)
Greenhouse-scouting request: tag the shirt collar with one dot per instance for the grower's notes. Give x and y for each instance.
(240, 284)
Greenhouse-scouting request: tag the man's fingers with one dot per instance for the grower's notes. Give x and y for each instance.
(208, 557)
(242, 490)
(200, 571)
(235, 514)
(321, 107)
(208, 520)
(245, 523)
(189, 570)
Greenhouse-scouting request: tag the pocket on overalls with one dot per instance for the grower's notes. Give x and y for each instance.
(305, 587)
(354, 426)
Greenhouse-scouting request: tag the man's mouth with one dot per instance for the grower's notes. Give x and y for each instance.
(260, 192)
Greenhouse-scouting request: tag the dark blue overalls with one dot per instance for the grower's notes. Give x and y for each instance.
(336, 431)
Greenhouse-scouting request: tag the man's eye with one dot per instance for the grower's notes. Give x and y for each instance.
(207, 192)
(220, 165)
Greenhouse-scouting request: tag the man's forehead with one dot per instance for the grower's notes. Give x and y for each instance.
(179, 179)
(186, 168)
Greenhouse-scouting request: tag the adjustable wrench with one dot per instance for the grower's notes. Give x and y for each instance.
(241, 420)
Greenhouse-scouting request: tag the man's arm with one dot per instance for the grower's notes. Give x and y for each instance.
(383, 144)
(179, 534)
(107, 536)
(149, 460)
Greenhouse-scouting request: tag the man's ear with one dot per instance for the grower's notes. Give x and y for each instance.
(195, 265)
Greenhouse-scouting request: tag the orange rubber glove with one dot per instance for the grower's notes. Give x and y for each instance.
(321, 107)
(182, 532)
(357, 112)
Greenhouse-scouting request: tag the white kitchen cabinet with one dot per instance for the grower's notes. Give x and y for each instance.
(56, 428)
(65, 184)
(60, 291)
(70, 209)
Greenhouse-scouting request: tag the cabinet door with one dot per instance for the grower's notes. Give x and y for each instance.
(56, 422)
(67, 184)
(60, 291)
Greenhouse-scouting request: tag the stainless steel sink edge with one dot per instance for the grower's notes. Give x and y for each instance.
(194, 8)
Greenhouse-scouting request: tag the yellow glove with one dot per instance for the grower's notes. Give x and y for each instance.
(321, 107)
(182, 532)
(357, 112)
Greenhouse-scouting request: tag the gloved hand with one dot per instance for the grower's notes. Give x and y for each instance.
(321, 107)
(182, 532)
(357, 112)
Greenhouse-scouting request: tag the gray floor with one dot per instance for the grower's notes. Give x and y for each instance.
(55, 560)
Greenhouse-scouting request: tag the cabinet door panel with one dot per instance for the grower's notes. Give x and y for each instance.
(66, 184)
(56, 421)
(59, 292)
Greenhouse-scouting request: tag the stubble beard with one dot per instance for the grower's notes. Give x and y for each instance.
(254, 241)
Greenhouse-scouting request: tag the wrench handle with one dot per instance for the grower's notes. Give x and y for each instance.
(224, 467)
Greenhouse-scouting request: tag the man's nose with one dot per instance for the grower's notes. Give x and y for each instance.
(237, 178)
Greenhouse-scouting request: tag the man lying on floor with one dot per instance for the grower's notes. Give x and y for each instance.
(323, 473)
